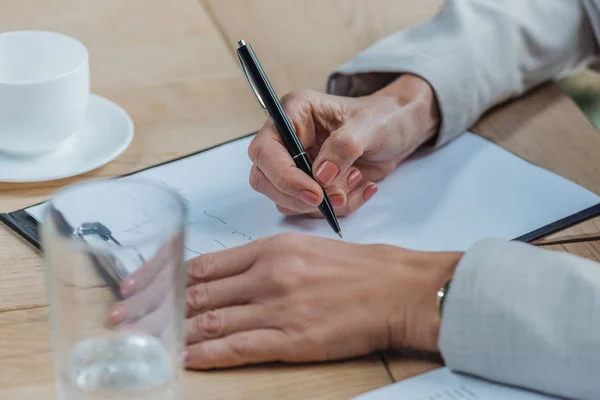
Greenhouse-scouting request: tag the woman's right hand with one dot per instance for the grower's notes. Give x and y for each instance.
(353, 143)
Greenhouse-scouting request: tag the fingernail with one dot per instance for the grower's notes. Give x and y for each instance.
(354, 179)
(327, 172)
(337, 200)
(117, 314)
(186, 356)
(309, 197)
(127, 287)
(370, 192)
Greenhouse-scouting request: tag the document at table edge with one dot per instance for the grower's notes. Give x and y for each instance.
(446, 200)
(443, 384)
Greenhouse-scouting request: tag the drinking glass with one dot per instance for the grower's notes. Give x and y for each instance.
(115, 281)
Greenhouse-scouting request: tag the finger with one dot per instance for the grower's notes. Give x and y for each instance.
(241, 348)
(142, 277)
(353, 179)
(338, 152)
(312, 152)
(275, 162)
(167, 335)
(376, 171)
(157, 321)
(226, 292)
(223, 322)
(221, 264)
(300, 108)
(338, 194)
(287, 211)
(261, 184)
(291, 213)
(143, 301)
(357, 198)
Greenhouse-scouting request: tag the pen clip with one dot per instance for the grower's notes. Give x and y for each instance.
(242, 43)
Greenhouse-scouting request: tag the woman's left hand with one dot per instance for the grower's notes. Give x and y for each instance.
(299, 298)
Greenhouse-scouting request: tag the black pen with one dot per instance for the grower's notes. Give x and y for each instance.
(268, 100)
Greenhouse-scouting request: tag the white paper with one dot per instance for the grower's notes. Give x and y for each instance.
(468, 190)
(443, 384)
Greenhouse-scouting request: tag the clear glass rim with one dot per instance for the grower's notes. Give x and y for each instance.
(164, 235)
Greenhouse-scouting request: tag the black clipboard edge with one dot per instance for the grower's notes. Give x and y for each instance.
(26, 226)
(561, 224)
(23, 224)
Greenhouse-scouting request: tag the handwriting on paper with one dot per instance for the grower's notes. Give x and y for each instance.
(210, 232)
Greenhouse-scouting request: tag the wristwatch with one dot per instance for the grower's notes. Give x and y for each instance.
(441, 296)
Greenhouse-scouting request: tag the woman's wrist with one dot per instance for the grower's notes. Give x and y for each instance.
(420, 325)
(416, 96)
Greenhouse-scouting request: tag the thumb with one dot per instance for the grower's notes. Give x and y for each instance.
(338, 152)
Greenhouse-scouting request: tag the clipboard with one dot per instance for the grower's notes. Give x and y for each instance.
(27, 226)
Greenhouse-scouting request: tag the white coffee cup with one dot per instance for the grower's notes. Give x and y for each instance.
(44, 90)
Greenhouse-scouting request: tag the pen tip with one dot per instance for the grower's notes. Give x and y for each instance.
(340, 235)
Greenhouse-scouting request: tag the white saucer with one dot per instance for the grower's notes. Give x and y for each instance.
(106, 133)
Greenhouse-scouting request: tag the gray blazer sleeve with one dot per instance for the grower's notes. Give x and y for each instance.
(524, 316)
(477, 53)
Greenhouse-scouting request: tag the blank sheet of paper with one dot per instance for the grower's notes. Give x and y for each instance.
(447, 200)
(442, 384)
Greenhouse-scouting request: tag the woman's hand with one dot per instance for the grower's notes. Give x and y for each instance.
(353, 142)
(149, 294)
(300, 298)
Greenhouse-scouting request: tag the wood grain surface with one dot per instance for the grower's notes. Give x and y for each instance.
(172, 66)
(306, 39)
(25, 352)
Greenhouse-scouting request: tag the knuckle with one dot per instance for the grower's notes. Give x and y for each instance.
(243, 347)
(349, 145)
(210, 324)
(288, 97)
(276, 250)
(282, 182)
(202, 267)
(284, 240)
(299, 96)
(261, 243)
(288, 211)
(198, 297)
(289, 269)
(254, 150)
(286, 285)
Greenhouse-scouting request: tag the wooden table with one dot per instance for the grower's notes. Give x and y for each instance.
(172, 66)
